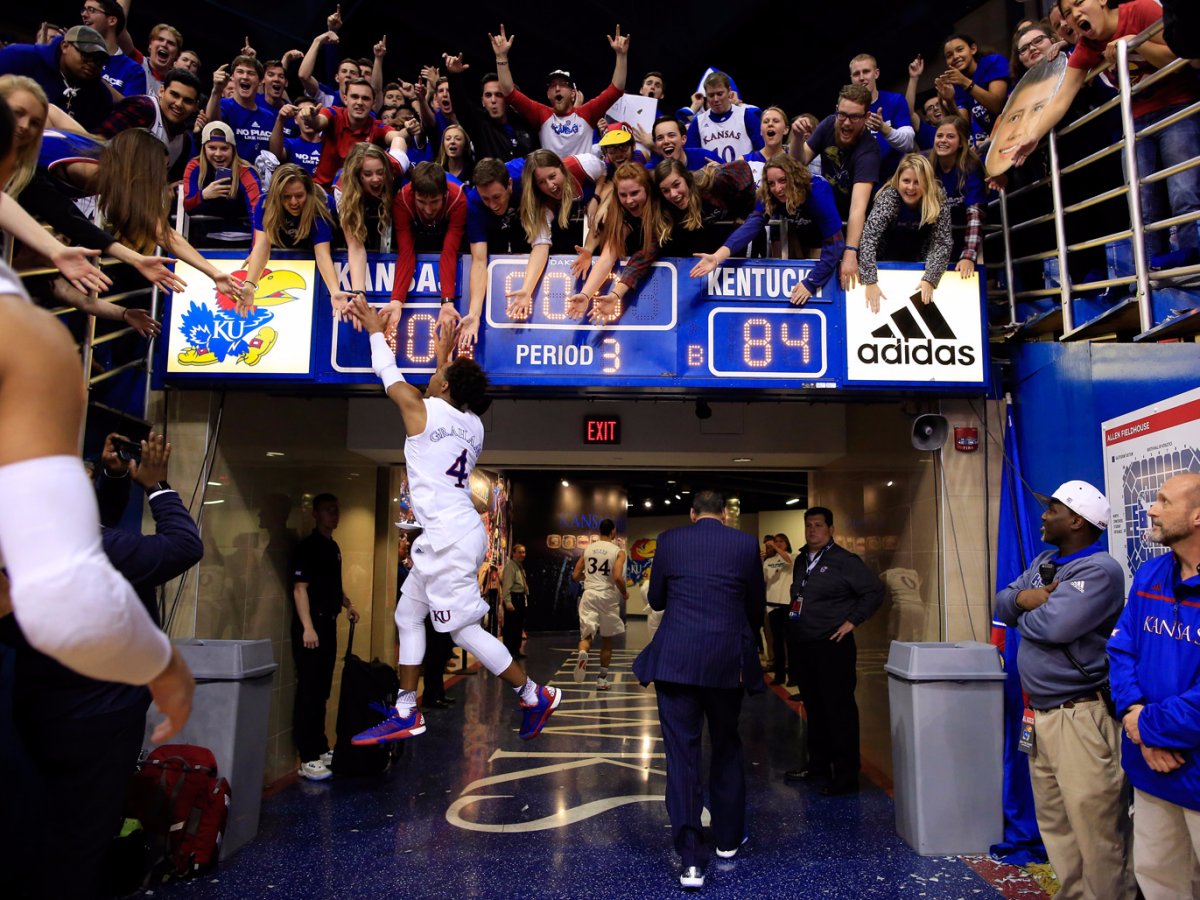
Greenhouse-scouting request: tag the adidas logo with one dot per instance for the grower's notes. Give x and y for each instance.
(1078, 585)
(910, 344)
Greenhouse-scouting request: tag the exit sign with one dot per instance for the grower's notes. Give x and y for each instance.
(601, 429)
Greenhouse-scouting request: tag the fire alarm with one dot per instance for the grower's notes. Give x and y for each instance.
(966, 438)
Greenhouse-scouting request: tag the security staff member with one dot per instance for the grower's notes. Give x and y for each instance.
(514, 591)
(833, 593)
(1065, 606)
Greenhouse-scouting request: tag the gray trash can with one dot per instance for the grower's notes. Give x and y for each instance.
(947, 706)
(230, 716)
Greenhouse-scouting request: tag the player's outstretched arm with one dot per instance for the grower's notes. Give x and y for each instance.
(383, 361)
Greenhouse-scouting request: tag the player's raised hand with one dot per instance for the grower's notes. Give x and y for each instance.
(366, 315)
(447, 319)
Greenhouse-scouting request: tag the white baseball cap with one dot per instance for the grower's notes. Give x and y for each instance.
(1083, 500)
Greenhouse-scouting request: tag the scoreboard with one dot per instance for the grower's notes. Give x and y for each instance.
(734, 328)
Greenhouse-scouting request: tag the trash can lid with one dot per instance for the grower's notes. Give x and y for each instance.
(944, 661)
(227, 660)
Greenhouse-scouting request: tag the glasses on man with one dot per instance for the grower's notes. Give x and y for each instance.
(849, 116)
(1025, 48)
(93, 11)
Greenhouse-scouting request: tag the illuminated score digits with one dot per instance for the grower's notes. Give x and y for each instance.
(415, 350)
(765, 342)
(611, 356)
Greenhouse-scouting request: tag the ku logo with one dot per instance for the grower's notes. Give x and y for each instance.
(213, 335)
(440, 615)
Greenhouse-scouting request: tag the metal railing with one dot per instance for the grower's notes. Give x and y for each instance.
(1142, 280)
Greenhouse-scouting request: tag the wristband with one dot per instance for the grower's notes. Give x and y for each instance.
(383, 361)
(446, 300)
(848, 247)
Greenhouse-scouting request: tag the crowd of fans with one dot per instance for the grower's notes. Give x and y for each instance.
(463, 160)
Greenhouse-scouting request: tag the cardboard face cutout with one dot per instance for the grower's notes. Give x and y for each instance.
(1022, 115)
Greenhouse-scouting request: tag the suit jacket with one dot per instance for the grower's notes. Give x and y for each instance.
(708, 581)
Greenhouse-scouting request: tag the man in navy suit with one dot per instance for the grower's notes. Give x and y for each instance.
(708, 583)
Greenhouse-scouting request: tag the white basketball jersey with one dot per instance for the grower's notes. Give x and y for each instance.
(599, 562)
(728, 139)
(440, 460)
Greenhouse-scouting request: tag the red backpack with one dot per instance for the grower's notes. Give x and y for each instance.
(181, 802)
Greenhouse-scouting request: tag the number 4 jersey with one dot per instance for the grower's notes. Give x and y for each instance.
(440, 460)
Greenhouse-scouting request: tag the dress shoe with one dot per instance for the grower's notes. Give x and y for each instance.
(809, 774)
(692, 878)
(439, 704)
(838, 790)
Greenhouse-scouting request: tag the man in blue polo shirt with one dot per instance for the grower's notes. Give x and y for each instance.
(68, 70)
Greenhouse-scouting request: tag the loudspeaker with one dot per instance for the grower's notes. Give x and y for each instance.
(930, 432)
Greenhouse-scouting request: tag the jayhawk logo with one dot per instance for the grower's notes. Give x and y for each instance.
(214, 335)
(641, 560)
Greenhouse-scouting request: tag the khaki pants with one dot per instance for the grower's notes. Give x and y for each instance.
(1166, 848)
(1077, 786)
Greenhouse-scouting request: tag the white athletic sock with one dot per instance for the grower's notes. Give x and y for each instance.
(603, 672)
(405, 701)
(528, 693)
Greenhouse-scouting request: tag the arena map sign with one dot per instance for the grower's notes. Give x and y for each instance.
(732, 329)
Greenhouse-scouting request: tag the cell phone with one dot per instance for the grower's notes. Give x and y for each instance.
(127, 450)
(224, 172)
(1047, 571)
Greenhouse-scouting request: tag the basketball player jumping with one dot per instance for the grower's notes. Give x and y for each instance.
(444, 439)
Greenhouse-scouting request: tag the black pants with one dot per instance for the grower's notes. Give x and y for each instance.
(83, 768)
(777, 622)
(314, 680)
(682, 712)
(828, 676)
(514, 624)
(438, 647)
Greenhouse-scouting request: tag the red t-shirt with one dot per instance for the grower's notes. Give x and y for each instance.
(340, 138)
(1177, 89)
(451, 225)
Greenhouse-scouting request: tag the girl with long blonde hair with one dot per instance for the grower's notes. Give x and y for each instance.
(292, 215)
(909, 222)
(699, 202)
(456, 155)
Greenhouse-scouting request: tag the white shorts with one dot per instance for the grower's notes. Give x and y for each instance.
(598, 613)
(446, 581)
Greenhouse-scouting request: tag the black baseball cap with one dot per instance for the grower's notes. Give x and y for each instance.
(560, 75)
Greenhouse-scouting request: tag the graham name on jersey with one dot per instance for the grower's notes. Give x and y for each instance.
(457, 431)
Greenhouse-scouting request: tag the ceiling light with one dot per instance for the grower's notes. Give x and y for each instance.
(274, 453)
(212, 502)
(742, 459)
(677, 497)
(647, 504)
(685, 492)
(566, 483)
(792, 502)
(670, 481)
(890, 483)
(215, 484)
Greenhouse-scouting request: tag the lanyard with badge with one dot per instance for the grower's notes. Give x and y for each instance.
(798, 590)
